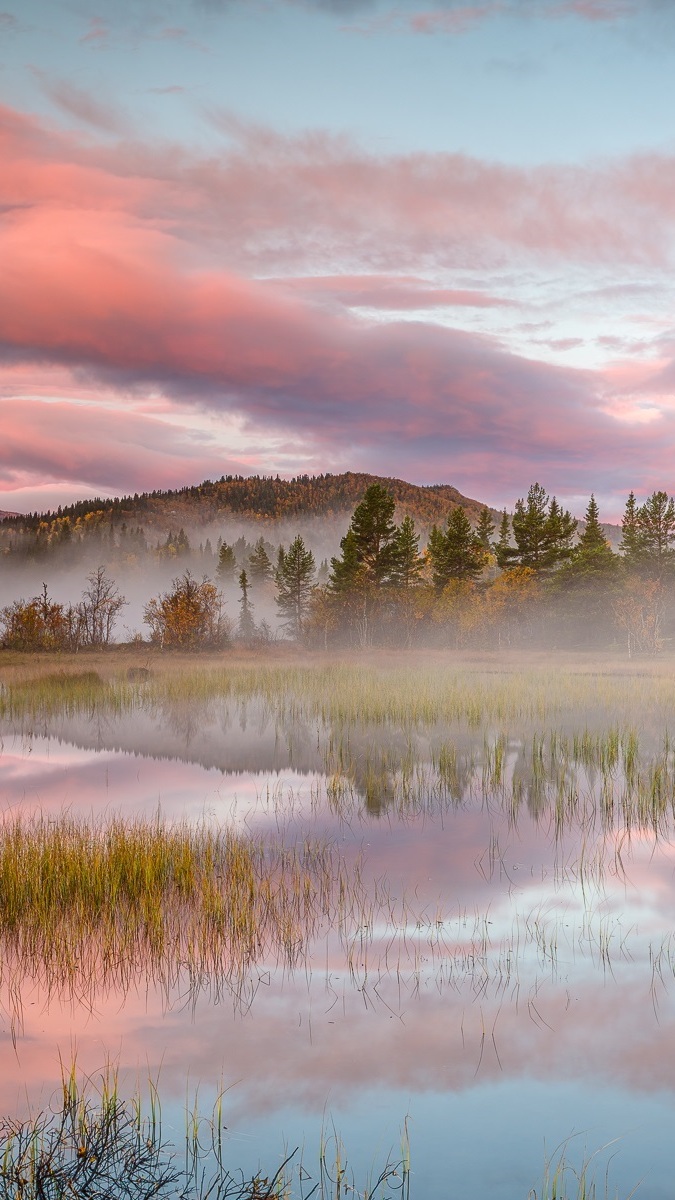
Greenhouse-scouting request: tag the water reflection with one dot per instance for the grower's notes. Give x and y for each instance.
(514, 969)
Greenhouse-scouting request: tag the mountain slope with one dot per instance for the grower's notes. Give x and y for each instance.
(270, 499)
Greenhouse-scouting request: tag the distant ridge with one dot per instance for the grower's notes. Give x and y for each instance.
(7, 515)
(266, 498)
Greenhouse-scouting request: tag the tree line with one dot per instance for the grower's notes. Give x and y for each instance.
(532, 578)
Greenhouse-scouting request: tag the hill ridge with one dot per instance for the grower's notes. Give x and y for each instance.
(265, 498)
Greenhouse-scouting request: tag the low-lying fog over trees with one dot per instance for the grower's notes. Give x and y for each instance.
(414, 566)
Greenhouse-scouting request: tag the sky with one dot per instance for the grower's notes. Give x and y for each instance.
(428, 239)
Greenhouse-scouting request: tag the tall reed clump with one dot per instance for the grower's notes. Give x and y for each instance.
(94, 1145)
(87, 904)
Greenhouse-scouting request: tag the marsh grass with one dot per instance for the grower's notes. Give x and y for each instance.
(104, 902)
(88, 908)
(582, 747)
(91, 1144)
(568, 1179)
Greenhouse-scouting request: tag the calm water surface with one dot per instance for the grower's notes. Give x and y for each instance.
(526, 996)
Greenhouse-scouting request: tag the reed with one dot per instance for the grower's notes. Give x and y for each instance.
(567, 1179)
(91, 1144)
(102, 902)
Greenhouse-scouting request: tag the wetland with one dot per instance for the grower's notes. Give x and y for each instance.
(418, 907)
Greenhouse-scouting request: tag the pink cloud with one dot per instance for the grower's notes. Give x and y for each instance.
(453, 20)
(594, 10)
(457, 17)
(387, 292)
(108, 271)
(62, 440)
(288, 203)
(98, 33)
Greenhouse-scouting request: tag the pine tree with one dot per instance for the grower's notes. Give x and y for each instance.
(632, 539)
(529, 528)
(593, 558)
(246, 628)
(656, 519)
(259, 565)
(455, 553)
(295, 581)
(367, 547)
(485, 530)
(408, 564)
(503, 548)
(543, 532)
(227, 563)
(559, 530)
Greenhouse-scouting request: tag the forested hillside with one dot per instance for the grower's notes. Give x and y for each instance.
(258, 498)
(202, 565)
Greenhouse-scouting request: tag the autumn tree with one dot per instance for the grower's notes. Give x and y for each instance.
(39, 624)
(98, 609)
(294, 579)
(189, 616)
(638, 613)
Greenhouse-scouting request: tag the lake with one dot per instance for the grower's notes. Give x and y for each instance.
(500, 982)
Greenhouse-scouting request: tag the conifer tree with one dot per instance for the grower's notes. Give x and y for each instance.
(485, 530)
(455, 553)
(656, 519)
(543, 532)
(295, 581)
(227, 563)
(367, 557)
(593, 559)
(503, 546)
(407, 564)
(632, 539)
(246, 628)
(259, 565)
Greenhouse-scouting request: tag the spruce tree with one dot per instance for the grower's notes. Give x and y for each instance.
(503, 547)
(294, 580)
(246, 628)
(543, 532)
(227, 563)
(259, 565)
(632, 539)
(368, 555)
(408, 564)
(485, 530)
(455, 553)
(593, 558)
